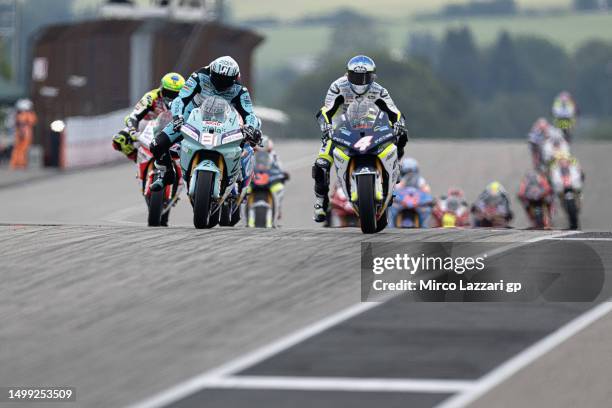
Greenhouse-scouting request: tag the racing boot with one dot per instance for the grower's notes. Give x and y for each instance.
(320, 174)
(320, 208)
(165, 173)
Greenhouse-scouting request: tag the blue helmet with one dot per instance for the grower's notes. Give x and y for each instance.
(361, 73)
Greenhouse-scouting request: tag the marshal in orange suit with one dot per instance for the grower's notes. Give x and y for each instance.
(25, 120)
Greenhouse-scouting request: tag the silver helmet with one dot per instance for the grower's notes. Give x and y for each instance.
(361, 73)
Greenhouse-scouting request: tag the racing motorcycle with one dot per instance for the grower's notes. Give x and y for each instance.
(411, 207)
(565, 124)
(265, 193)
(451, 211)
(342, 213)
(553, 146)
(535, 193)
(491, 212)
(566, 178)
(211, 157)
(365, 158)
(159, 203)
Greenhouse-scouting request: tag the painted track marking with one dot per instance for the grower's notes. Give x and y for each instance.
(224, 372)
(342, 384)
(527, 356)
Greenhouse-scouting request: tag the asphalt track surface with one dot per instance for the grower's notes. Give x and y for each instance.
(177, 317)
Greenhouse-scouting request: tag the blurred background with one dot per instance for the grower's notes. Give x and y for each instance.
(458, 69)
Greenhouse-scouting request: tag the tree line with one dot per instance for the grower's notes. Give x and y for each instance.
(451, 88)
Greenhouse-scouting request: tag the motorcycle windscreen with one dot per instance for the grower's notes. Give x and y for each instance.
(263, 161)
(362, 127)
(362, 114)
(215, 109)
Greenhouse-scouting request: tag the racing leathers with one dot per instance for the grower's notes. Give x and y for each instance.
(495, 206)
(339, 96)
(197, 87)
(564, 112)
(149, 107)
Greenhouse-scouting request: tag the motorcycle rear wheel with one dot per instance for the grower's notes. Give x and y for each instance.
(156, 207)
(227, 210)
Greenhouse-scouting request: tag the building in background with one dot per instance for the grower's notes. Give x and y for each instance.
(93, 68)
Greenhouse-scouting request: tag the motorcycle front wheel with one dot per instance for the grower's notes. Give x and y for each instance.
(202, 200)
(572, 213)
(367, 204)
(264, 214)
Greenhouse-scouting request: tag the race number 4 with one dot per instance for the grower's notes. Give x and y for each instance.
(363, 143)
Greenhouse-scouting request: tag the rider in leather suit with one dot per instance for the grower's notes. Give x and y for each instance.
(221, 79)
(357, 84)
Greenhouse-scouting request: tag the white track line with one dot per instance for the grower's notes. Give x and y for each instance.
(529, 355)
(581, 239)
(342, 384)
(203, 380)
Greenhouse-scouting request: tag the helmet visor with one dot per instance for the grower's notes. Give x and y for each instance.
(360, 78)
(221, 82)
(168, 94)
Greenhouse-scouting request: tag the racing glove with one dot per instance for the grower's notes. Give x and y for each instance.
(252, 135)
(400, 131)
(326, 131)
(124, 142)
(399, 127)
(177, 122)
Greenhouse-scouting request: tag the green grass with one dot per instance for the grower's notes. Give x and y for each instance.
(281, 9)
(284, 44)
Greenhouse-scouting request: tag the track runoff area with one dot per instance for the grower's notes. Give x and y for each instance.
(435, 346)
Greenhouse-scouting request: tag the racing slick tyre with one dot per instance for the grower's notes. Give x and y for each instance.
(367, 206)
(572, 213)
(156, 206)
(214, 219)
(261, 214)
(202, 200)
(235, 217)
(164, 218)
(262, 211)
(227, 209)
(383, 221)
(538, 215)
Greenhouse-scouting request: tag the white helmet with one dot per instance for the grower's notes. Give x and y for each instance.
(409, 165)
(361, 72)
(224, 72)
(24, 105)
